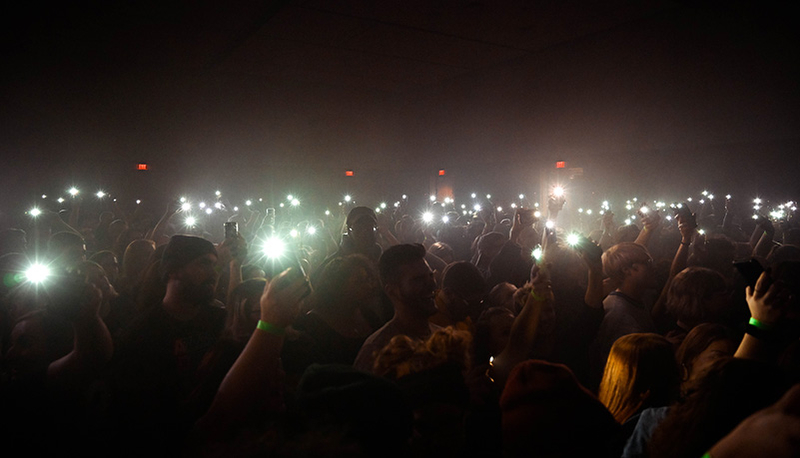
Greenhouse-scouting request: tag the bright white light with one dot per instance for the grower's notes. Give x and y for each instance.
(589, 211)
(680, 205)
(580, 210)
(521, 196)
(236, 209)
(728, 196)
(295, 202)
(209, 211)
(550, 224)
(35, 212)
(711, 197)
(427, 217)
(138, 201)
(100, 194)
(273, 248)
(757, 201)
(476, 207)
(705, 193)
(499, 209)
(44, 196)
(445, 219)
(536, 204)
(281, 205)
(463, 206)
(701, 232)
(605, 203)
(37, 273)
(537, 253)
(202, 205)
(702, 201)
(448, 200)
(186, 206)
(405, 197)
(190, 221)
(474, 195)
(311, 230)
(294, 233)
(755, 216)
(573, 239)
(537, 214)
(688, 199)
(635, 199)
(627, 221)
(218, 205)
(218, 193)
(260, 199)
(396, 204)
(183, 199)
(327, 213)
(432, 198)
(513, 205)
(645, 210)
(633, 216)
(60, 200)
(377, 209)
(347, 198)
(629, 207)
(248, 202)
(73, 191)
(463, 212)
(488, 196)
(669, 218)
(383, 205)
(289, 197)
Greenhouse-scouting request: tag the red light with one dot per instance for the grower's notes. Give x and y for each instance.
(349, 173)
(441, 172)
(561, 164)
(142, 166)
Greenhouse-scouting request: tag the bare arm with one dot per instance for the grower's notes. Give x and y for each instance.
(247, 386)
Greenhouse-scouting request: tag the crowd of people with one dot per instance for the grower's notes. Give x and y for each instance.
(448, 330)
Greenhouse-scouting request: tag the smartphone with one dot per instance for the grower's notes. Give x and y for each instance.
(750, 270)
(231, 230)
(270, 218)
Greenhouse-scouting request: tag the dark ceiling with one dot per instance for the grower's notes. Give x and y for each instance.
(652, 93)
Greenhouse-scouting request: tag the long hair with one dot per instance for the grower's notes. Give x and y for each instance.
(640, 373)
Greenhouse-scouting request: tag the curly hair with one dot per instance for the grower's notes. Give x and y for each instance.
(404, 356)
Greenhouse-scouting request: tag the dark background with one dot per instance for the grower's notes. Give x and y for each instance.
(265, 98)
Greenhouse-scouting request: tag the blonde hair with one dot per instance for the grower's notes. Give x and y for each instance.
(403, 355)
(622, 256)
(640, 372)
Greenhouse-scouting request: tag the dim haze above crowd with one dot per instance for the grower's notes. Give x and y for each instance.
(267, 98)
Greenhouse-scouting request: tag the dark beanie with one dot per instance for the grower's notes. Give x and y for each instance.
(181, 250)
(546, 411)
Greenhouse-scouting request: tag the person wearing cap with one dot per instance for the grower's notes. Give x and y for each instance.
(158, 355)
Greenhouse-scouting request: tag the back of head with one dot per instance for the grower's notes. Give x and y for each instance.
(393, 259)
(640, 372)
(344, 282)
(12, 241)
(351, 410)
(622, 256)
(66, 247)
(732, 390)
(546, 412)
(692, 295)
(137, 258)
(181, 250)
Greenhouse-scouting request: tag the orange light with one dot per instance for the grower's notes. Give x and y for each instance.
(441, 172)
(349, 173)
(143, 166)
(561, 164)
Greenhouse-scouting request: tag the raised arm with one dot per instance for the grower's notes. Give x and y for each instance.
(254, 377)
(767, 307)
(523, 331)
(92, 342)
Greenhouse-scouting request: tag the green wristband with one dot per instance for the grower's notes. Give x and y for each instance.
(537, 297)
(760, 325)
(706, 455)
(270, 328)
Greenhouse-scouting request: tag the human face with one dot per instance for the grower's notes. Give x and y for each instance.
(416, 290)
(198, 278)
